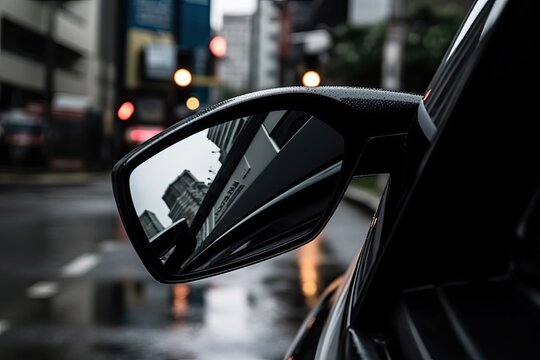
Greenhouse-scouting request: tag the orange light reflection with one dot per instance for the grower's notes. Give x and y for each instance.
(180, 300)
(309, 258)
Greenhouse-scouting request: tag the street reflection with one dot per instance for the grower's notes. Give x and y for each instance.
(309, 259)
(180, 304)
(115, 310)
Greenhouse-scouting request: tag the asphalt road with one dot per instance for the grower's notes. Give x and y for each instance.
(71, 287)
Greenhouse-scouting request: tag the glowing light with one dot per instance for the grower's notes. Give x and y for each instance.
(309, 259)
(311, 79)
(182, 77)
(125, 111)
(139, 134)
(193, 103)
(309, 288)
(426, 95)
(180, 300)
(218, 46)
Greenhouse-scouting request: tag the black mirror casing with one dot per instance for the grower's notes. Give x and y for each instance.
(360, 115)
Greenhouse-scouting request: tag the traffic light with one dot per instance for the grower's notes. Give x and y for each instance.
(125, 111)
(184, 68)
(217, 49)
(218, 46)
(183, 77)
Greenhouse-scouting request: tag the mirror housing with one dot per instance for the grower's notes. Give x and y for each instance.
(358, 115)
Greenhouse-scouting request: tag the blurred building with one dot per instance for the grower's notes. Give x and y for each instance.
(265, 62)
(156, 37)
(234, 69)
(59, 51)
(366, 12)
(150, 224)
(82, 64)
(184, 196)
(394, 14)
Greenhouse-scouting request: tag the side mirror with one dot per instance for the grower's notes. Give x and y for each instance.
(250, 178)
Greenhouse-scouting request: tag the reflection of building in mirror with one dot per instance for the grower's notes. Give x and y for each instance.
(150, 223)
(223, 135)
(184, 196)
(268, 136)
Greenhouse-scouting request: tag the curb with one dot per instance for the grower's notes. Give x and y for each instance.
(362, 198)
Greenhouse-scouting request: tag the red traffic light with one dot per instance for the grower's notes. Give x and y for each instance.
(218, 46)
(125, 111)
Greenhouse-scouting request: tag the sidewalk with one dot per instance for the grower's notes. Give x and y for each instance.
(48, 178)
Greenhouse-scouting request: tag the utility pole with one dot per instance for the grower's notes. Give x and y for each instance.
(50, 56)
(50, 60)
(392, 57)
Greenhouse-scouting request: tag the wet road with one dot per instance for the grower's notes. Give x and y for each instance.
(71, 286)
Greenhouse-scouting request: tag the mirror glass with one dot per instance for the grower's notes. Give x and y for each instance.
(237, 190)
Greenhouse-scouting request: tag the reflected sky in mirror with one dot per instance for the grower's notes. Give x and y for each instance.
(149, 181)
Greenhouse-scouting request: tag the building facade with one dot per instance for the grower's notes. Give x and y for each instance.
(265, 57)
(184, 196)
(61, 54)
(234, 69)
(69, 41)
(150, 224)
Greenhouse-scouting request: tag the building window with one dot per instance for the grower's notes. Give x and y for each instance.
(21, 40)
(28, 43)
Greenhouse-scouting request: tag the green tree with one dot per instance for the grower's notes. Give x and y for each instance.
(357, 56)
(430, 32)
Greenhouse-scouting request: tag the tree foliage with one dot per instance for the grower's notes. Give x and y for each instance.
(430, 33)
(357, 56)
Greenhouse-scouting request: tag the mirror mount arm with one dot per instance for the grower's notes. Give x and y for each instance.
(172, 236)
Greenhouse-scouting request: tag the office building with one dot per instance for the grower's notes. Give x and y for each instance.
(233, 69)
(150, 224)
(184, 196)
(265, 57)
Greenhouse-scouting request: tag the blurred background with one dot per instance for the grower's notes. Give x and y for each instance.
(84, 82)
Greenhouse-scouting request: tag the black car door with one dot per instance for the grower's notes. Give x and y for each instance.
(444, 273)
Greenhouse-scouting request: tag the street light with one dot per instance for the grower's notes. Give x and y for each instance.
(182, 77)
(311, 78)
(192, 103)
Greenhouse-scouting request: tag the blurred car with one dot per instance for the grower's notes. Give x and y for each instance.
(450, 268)
(21, 138)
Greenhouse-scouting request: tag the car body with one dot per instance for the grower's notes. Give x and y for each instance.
(449, 268)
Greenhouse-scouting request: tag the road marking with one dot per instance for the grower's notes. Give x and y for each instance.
(42, 290)
(4, 326)
(80, 265)
(109, 245)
